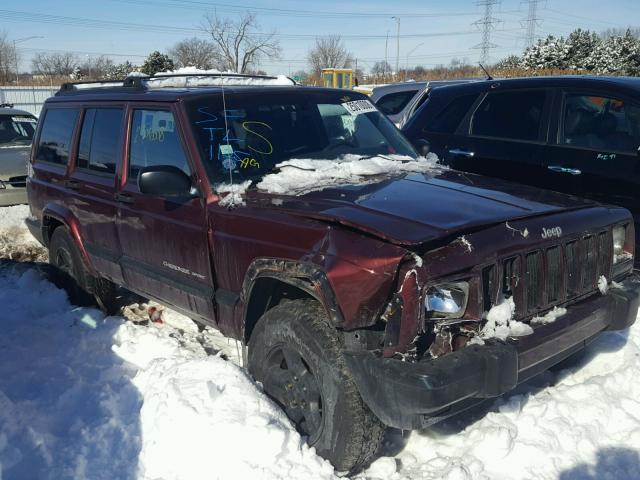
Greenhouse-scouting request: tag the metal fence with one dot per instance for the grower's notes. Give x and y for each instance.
(27, 98)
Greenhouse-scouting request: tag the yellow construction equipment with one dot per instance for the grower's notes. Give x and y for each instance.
(338, 77)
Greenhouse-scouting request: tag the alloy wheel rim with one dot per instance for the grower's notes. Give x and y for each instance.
(290, 381)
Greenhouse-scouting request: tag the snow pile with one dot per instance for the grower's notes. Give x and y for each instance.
(83, 396)
(550, 316)
(232, 194)
(300, 175)
(210, 78)
(500, 323)
(15, 240)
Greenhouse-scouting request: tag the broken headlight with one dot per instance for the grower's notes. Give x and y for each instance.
(621, 249)
(447, 300)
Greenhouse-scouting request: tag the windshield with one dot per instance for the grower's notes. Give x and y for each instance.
(17, 129)
(262, 130)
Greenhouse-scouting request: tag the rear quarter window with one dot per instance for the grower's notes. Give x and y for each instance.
(55, 137)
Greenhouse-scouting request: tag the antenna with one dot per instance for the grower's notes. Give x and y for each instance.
(226, 135)
(487, 23)
(489, 77)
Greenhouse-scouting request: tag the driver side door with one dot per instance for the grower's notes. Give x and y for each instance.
(163, 239)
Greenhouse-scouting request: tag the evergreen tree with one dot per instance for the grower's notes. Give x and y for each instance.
(157, 62)
(617, 55)
(547, 53)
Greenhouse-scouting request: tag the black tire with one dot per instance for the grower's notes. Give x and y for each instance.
(334, 418)
(83, 289)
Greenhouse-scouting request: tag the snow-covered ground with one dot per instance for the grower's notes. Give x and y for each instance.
(84, 396)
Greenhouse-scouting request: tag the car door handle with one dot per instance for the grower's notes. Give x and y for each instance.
(463, 153)
(123, 197)
(558, 169)
(72, 184)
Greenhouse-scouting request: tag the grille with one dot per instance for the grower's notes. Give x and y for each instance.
(552, 275)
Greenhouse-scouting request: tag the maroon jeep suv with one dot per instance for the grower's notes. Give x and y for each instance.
(369, 286)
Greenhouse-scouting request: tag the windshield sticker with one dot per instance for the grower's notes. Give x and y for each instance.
(24, 119)
(359, 106)
(226, 149)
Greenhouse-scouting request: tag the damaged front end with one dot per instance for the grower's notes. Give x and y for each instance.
(447, 340)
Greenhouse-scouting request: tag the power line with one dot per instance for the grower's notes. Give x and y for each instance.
(83, 22)
(488, 23)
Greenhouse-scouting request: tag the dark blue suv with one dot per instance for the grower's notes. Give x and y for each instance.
(578, 135)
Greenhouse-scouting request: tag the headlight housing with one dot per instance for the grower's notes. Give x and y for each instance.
(622, 251)
(447, 300)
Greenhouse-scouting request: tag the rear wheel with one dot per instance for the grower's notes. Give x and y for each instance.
(297, 356)
(81, 286)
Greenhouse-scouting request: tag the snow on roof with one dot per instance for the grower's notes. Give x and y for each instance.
(303, 175)
(210, 78)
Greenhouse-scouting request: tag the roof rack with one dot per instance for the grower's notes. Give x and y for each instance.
(6, 105)
(173, 80)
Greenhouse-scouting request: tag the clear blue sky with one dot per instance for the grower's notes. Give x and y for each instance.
(446, 26)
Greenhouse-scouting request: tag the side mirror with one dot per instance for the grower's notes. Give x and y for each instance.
(164, 181)
(422, 146)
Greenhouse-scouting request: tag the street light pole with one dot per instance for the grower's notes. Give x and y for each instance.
(406, 65)
(397, 19)
(15, 52)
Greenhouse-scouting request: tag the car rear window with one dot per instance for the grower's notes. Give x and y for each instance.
(513, 115)
(393, 103)
(56, 134)
(100, 139)
(450, 116)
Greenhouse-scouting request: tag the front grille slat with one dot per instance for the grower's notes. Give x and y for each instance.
(557, 273)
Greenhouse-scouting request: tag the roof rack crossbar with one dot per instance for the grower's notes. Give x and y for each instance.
(141, 82)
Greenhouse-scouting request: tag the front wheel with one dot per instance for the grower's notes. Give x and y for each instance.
(297, 356)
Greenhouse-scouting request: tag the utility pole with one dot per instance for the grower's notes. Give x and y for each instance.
(487, 23)
(397, 19)
(386, 58)
(15, 53)
(531, 22)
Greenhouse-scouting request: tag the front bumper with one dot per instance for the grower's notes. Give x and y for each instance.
(414, 395)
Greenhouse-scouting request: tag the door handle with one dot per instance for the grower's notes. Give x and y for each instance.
(123, 197)
(463, 153)
(72, 184)
(558, 169)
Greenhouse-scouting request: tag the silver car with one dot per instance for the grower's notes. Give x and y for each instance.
(16, 134)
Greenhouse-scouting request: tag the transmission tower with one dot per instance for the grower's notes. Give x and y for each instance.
(531, 22)
(487, 24)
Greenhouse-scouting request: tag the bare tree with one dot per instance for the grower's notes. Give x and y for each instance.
(329, 52)
(195, 52)
(96, 67)
(240, 44)
(55, 63)
(7, 59)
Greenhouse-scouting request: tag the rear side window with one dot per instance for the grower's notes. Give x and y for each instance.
(449, 118)
(393, 103)
(512, 115)
(600, 123)
(155, 141)
(100, 139)
(56, 134)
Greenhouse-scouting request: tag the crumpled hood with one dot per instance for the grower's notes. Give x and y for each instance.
(13, 161)
(416, 208)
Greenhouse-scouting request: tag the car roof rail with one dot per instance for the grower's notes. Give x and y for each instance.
(147, 82)
(6, 105)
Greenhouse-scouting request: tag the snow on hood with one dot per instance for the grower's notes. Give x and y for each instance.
(303, 175)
